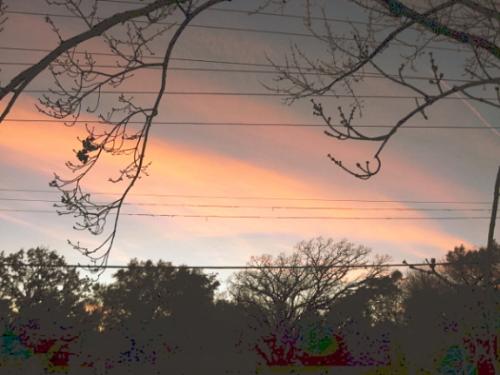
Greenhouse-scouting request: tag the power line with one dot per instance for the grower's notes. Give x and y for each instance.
(241, 29)
(212, 27)
(227, 62)
(259, 217)
(254, 197)
(190, 69)
(295, 16)
(197, 26)
(233, 206)
(213, 267)
(96, 53)
(250, 71)
(260, 94)
(215, 61)
(248, 124)
(263, 13)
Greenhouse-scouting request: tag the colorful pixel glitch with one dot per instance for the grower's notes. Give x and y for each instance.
(321, 348)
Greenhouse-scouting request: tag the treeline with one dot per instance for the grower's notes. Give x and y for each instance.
(311, 310)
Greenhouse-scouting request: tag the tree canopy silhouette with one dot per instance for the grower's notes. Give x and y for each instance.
(36, 284)
(42, 303)
(291, 294)
(300, 311)
(454, 309)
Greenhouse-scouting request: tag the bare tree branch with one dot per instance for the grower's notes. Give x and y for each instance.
(3, 9)
(352, 61)
(20, 81)
(78, 86)
(398, 9)
(115, 141)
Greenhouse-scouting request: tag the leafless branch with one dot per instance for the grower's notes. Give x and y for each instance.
(3, 19)
(471, 25)
(16, 85)
(78, 87)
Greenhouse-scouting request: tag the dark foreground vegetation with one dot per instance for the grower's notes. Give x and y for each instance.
(279, 317)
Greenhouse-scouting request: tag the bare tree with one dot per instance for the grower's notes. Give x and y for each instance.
(419, 32)
(79, 80)
(285, 291)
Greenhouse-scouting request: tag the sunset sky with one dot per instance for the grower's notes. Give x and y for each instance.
(246, 166)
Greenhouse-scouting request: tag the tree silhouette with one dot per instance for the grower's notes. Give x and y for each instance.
(166, 318)
(309, 309)
(452, 313)
(478, 268)
(289, 293)
(361, 324)
(45, 305)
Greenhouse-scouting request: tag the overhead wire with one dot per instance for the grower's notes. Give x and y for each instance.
(273, 207)
(214, 267)
(249, 71)
(221, 93)
(249, 12)
(243, 29)
(277, 198)
(244, 124)
(257, 217)
(252, 94)
(218, 61)
(266, 94)
(97, 53)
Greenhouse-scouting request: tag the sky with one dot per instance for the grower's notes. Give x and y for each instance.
(266, 172)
